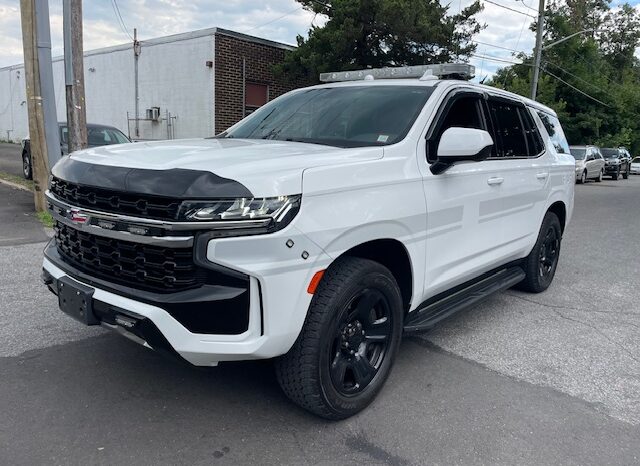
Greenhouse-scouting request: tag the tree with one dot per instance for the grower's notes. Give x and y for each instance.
(378, 33)
(601, 64)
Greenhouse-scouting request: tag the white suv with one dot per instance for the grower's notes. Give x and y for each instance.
(317, 230)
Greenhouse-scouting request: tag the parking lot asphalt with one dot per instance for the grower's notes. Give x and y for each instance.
(10, 160)
(540, 379)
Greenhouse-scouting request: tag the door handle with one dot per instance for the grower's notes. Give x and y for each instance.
(494, 181)
(542, 176)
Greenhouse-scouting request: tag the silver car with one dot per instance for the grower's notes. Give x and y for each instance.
(635, 166)
(589, 163)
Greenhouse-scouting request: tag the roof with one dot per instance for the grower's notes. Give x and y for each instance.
(175, 38)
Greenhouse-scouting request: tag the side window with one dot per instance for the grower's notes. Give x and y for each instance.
(463, 111)
(558, 139)
(534, 140)
(508, 128)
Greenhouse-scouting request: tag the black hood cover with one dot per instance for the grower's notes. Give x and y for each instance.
(177, 183)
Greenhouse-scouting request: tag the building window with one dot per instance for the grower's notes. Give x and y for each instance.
(255, 95)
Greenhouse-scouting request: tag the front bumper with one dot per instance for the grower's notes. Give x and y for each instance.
(612, 169)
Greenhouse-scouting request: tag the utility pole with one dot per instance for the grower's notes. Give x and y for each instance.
(538, 51)
(74, 75)
(136, 54)
(41, 103)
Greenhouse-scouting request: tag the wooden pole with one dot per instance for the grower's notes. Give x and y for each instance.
(74, 75)
(39, 160)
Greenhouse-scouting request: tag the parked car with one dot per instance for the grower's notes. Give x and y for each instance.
(97, 135)
(617, 162)
(317, 230)
(589, 163)
(635, 166)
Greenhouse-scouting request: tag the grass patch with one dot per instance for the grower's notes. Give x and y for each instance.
(45, 218)
(17, 180)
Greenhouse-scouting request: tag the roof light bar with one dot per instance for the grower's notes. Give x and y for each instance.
(441, 70)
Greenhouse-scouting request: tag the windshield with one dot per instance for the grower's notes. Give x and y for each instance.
(610, 153)
(578, 152)
(340, 116)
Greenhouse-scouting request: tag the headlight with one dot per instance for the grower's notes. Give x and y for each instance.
(268, 213)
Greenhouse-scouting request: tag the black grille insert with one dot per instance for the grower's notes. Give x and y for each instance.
(122, 203)
(131, 264)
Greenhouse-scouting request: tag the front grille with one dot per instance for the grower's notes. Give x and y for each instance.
(131, 264)
(106, 200)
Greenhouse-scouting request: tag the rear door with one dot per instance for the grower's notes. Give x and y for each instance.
(526, 171)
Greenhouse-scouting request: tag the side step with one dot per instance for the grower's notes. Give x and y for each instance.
(433, 312)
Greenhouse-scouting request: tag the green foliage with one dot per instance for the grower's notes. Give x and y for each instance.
(600, 63)
(377, 33)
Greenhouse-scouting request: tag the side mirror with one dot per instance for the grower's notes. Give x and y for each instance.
(462, 144)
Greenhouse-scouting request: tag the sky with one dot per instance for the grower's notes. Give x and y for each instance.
(279, 20)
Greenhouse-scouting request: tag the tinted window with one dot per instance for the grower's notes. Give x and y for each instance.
(353, 116)
(578, 152)
(98, 136)
(534, 141)
(558, 139)
(610, 153)
(636, 160)
(508, 127)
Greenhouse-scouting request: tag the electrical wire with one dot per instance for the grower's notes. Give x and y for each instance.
(573, 87)
(575, 76)
(509, 8)
(116, 10)
(273, 20)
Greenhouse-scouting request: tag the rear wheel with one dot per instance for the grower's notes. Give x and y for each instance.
(27, 170)
(583, 177)
(348, 343)
(540, 265)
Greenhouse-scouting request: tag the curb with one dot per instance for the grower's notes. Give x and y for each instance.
(15, 185)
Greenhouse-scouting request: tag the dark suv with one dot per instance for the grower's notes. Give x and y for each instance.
(97, 135)
(617, 161)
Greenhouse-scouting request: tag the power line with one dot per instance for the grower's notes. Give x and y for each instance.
(116, 10)
(577, 77)
(273, 20)
(509, 8)
(500, 60)
(574, 87)
(497, 46)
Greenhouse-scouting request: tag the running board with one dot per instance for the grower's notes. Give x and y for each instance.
(427, 316)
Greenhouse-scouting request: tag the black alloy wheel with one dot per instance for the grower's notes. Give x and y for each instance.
(625, 175)
(361, 342)
(346, 348)
(616, 175)
(541, 263)
(548, 257)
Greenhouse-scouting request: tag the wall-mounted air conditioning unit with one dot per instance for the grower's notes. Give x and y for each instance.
(153, 114)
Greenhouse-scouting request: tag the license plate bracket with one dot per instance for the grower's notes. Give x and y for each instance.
(75, 300)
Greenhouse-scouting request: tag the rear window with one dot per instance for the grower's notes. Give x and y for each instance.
(578, 153)
(554, 129)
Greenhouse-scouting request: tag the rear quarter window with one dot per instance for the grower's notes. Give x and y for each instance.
(554, 129)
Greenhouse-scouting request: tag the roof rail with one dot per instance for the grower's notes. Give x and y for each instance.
(463, 71)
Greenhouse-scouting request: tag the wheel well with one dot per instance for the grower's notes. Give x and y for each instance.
(393, 255)
(560, 210)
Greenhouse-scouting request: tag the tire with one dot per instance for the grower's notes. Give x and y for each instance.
(616, 175)
(625, 175)
(337, 367)
(583, 177)
(599, 179)
(27, 168)
(539, 268)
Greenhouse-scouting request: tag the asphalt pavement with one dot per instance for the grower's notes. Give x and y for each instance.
(552, 378)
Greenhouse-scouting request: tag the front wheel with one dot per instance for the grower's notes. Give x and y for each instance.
(583, 177)
(616, 175)
(27, 170)
(599, 179)
(348, 343)
(540, 265)
(625, 175)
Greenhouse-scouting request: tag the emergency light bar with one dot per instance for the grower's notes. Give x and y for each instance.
(423, 72)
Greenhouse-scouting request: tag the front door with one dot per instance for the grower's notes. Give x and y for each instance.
(461, 240)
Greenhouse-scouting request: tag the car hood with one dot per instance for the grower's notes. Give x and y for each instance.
(264, 167)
